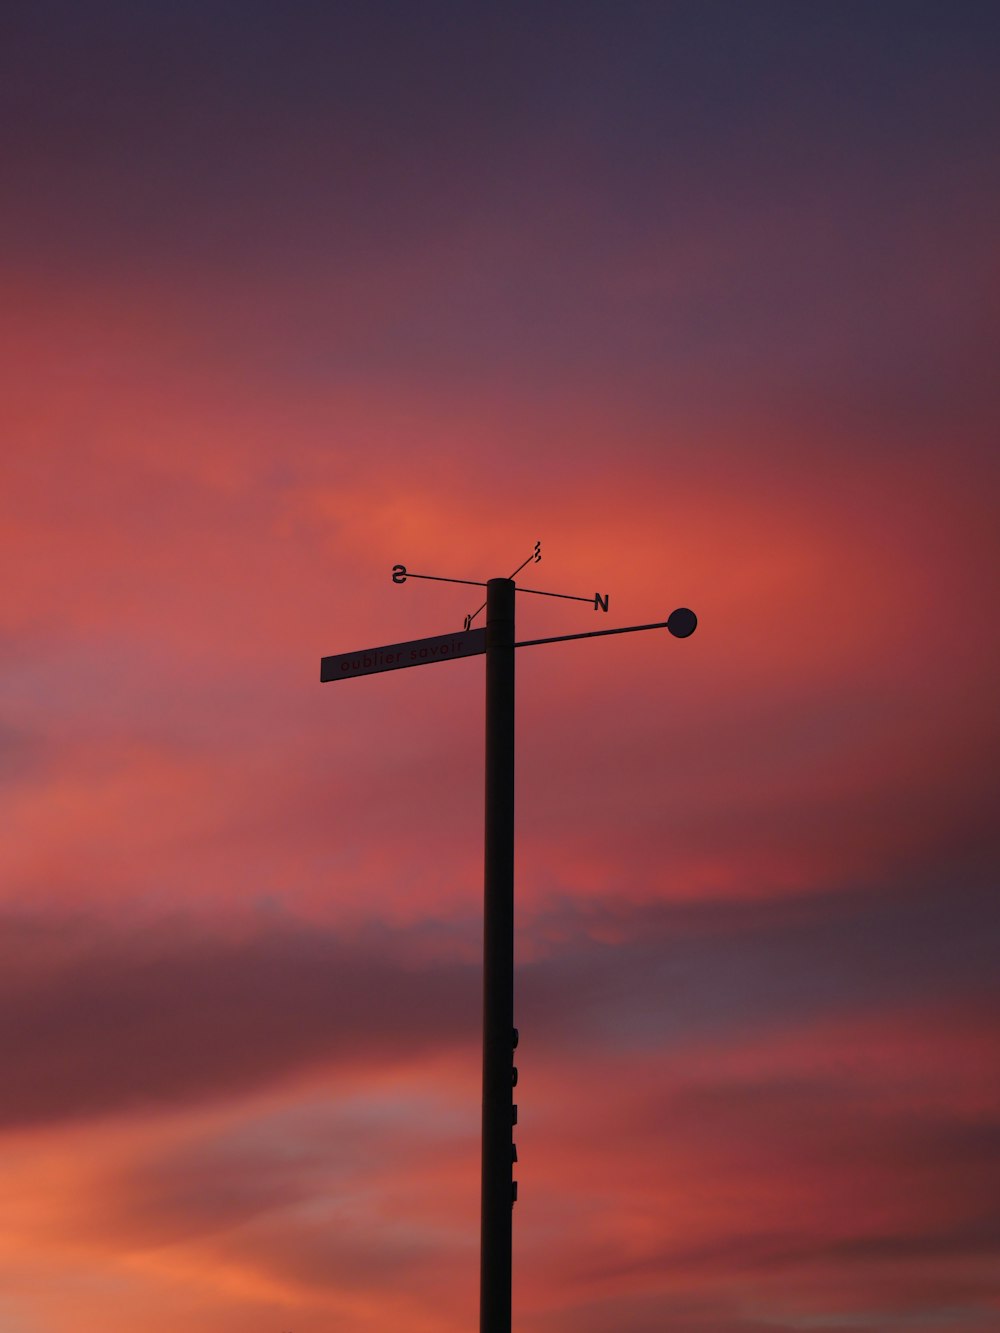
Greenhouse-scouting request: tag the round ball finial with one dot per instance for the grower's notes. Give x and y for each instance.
(682, 623)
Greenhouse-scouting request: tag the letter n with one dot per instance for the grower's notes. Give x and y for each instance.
(601, 602)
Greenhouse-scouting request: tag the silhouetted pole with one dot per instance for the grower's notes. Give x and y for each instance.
(498, 964)
(499, 1190)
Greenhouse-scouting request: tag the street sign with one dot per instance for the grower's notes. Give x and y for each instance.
(395, 656)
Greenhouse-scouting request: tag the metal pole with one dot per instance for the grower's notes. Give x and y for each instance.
(498, 964)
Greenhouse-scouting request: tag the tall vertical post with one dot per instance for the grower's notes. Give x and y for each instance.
(498, 964)
(499, 1190)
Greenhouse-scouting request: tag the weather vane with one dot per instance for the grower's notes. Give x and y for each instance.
(500, 1037)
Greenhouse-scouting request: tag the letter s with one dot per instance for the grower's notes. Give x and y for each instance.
(399, 573)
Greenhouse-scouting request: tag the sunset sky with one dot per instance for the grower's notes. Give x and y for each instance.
(704, 296)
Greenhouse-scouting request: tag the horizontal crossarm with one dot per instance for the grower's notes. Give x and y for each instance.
(681, 623)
